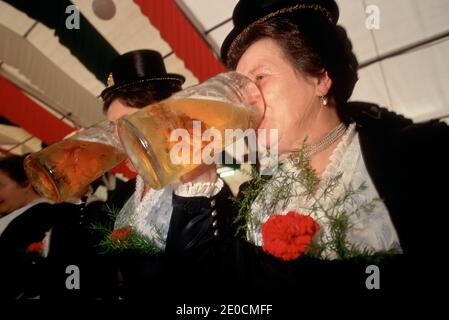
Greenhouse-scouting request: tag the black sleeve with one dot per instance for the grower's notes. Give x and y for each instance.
(27, 228)
(19, 272)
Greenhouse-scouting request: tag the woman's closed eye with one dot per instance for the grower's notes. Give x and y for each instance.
(260, 77)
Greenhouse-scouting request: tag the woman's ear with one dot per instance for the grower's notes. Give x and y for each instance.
(324, 84)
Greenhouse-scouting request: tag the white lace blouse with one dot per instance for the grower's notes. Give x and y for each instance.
(371, 229)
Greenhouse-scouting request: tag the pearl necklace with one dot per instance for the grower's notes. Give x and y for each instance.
(325, 141)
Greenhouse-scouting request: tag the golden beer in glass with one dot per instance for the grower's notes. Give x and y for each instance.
(65, 168)
(227, 101)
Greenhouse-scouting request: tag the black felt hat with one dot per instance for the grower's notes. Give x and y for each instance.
(249, 12)
(139, 66)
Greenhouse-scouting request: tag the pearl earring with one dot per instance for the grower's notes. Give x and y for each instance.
(323, 100)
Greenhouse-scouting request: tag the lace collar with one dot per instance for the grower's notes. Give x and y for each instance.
(149, 214)
(344, 159)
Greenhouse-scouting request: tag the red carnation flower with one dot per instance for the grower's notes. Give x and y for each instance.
(121, 234)
(288, 236)
(36, 247)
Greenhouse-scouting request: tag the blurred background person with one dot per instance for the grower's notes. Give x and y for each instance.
(24, 226)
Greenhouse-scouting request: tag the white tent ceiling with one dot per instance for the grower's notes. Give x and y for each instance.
(414, 83)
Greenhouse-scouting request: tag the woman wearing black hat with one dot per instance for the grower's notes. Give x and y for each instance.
(299, 237)
(139, 78)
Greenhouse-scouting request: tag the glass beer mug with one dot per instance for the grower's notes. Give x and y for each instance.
(63, 169)
(227, 101)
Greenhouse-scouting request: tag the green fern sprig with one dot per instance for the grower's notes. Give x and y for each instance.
(134, 242)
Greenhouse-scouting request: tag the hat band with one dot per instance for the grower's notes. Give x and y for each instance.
(106, 92)
(315, 7)
(110, 81)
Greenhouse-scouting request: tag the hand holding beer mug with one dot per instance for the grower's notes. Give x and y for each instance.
(62, 169)
(150, 137)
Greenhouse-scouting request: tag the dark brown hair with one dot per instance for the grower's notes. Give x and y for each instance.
(312, 45)
(142, 94)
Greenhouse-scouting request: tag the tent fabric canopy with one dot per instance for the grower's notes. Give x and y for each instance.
(25, 113)
(86, 43)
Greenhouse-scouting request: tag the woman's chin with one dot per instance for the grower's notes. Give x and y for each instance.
(4, 209)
